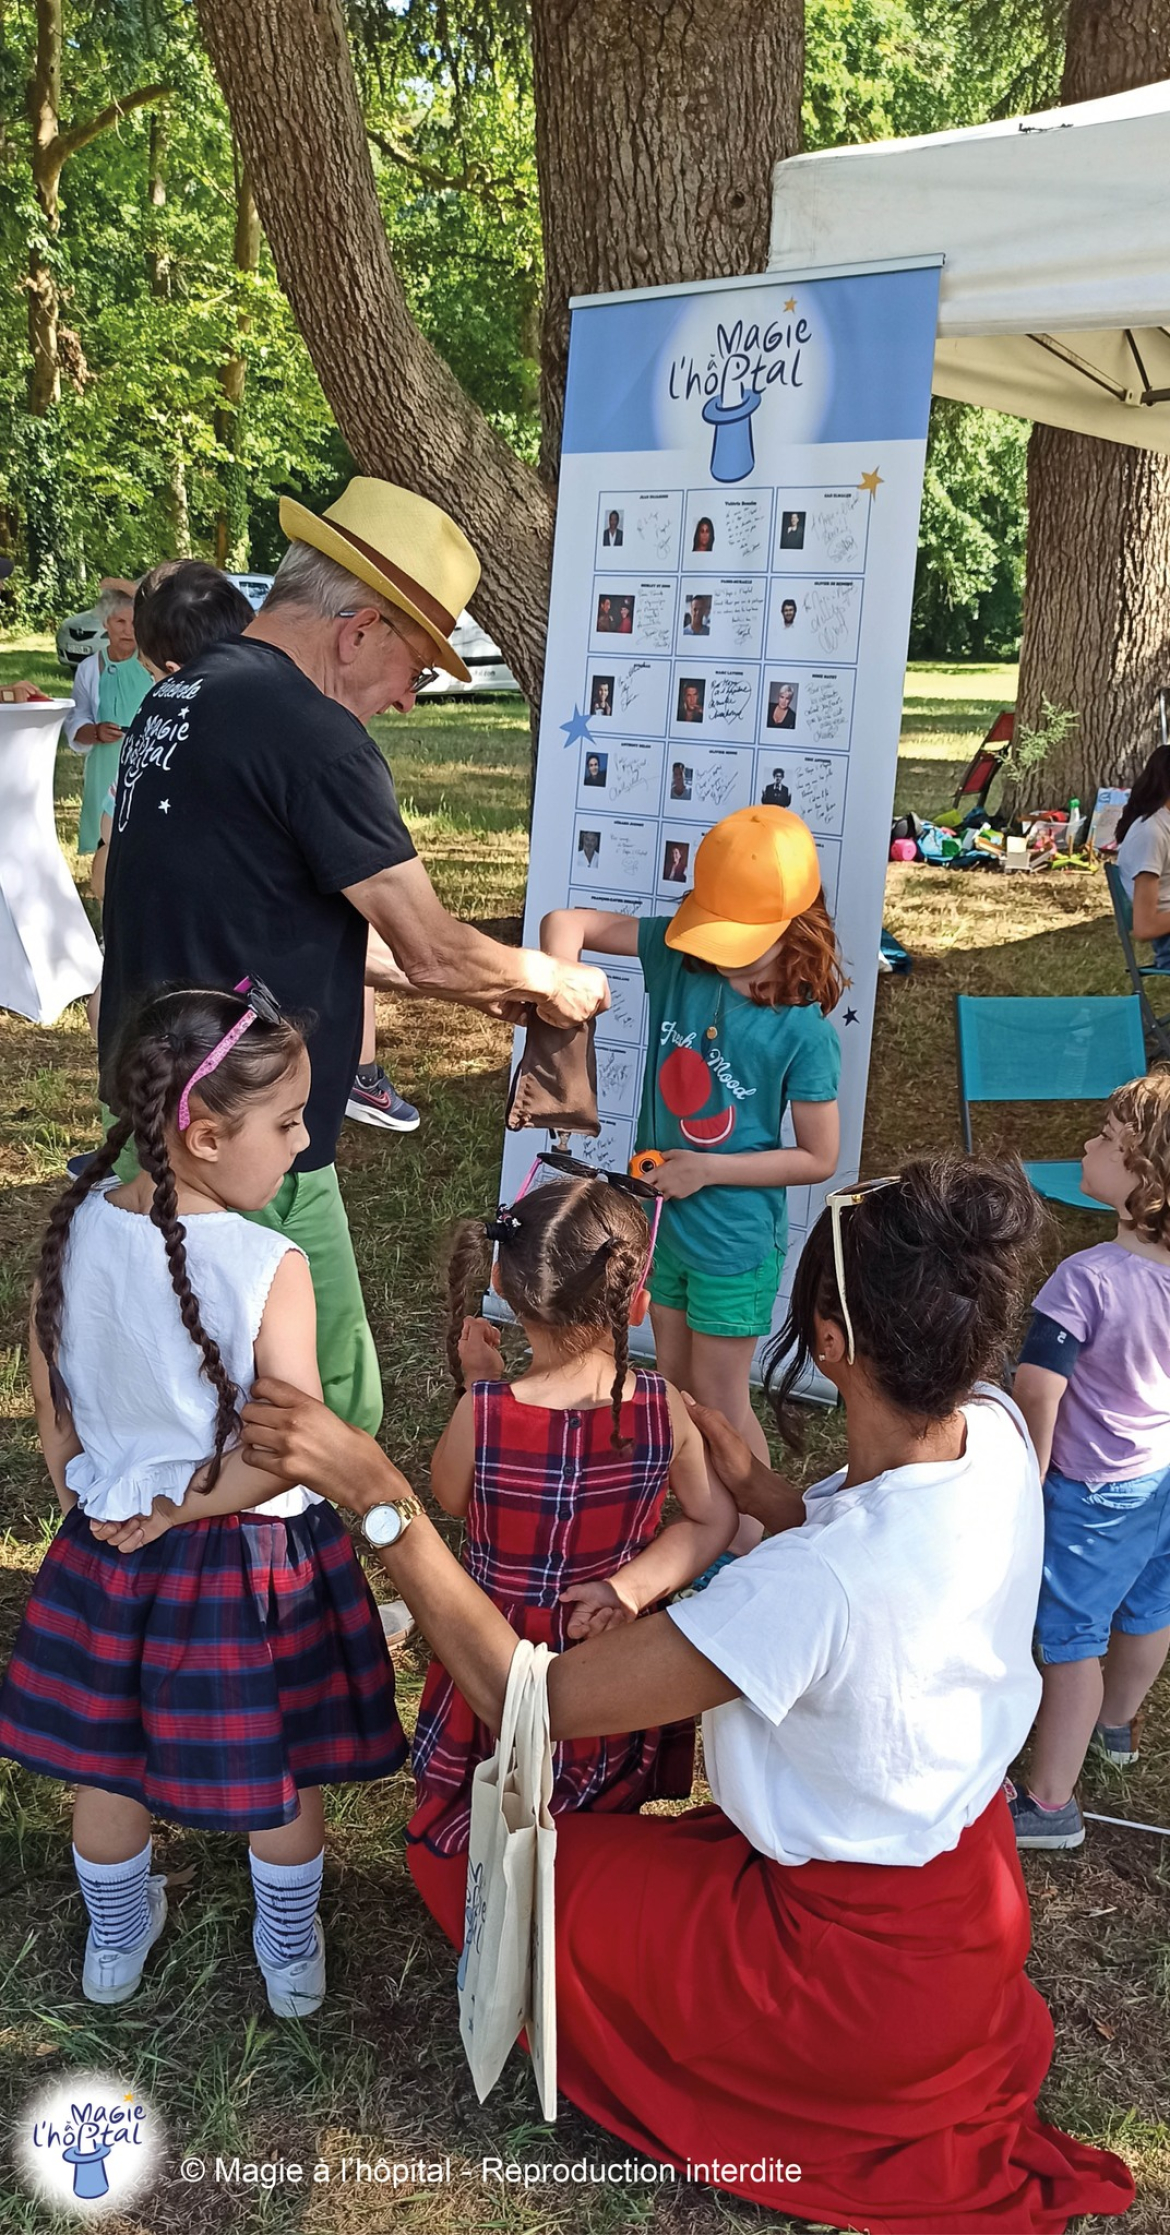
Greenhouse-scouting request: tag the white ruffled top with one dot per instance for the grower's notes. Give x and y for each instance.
(141, 1404)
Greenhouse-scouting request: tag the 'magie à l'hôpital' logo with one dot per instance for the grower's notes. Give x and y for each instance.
(88, 2144)
(746, 359)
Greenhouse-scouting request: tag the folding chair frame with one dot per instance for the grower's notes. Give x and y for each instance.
(1156, 1028)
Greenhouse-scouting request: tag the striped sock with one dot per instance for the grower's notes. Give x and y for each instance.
(115, 1896)
(286, 1904)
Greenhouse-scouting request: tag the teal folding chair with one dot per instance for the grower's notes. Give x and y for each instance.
(1040, 1050)
(1157, 1028)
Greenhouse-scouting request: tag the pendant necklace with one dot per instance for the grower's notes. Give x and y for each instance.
(712, 1032)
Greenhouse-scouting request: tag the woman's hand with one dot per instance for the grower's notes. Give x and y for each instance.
(108, 733)
(289, 1434)
(598, 1606)
(731, 1457)
(479, 1351)
(681, 1172)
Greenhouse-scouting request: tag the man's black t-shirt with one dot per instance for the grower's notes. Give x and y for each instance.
(246, 802)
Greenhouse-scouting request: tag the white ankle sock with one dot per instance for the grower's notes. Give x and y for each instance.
(286, 1904)
(115, 1896)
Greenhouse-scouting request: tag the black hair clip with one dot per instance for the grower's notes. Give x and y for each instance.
(502, 1228)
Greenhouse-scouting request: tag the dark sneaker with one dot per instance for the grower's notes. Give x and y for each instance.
(1119, 1742)
(1044, 1827)
(376, 1102)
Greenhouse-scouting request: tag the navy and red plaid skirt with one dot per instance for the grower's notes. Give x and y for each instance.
(207, 1676)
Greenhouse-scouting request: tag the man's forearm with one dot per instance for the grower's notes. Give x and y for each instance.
(465, 965)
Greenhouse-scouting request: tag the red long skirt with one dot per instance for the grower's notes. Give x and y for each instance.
(871, 2026)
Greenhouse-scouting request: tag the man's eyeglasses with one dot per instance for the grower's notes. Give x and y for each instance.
(422, 676)
(840, 1200)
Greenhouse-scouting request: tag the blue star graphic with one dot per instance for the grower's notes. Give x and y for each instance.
(577, 728)
(850, 1016)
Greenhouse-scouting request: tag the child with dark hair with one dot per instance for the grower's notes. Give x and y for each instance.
(180, 608)
(1094, 1386)
(194, 1647)
(560, 1478)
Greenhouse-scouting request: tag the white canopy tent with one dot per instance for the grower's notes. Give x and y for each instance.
(1055, 230)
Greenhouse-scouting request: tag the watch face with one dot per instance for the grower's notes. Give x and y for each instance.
(383, 1525)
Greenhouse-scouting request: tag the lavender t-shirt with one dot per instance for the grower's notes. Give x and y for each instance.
(1114, 1418)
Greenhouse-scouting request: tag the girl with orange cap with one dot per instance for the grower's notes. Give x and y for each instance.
(741, 980)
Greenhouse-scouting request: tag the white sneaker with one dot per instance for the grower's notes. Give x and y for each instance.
(295, 1990)
(114, 1974)
(397, 1621)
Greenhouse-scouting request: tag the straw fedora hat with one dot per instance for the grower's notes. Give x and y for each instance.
(405, 548)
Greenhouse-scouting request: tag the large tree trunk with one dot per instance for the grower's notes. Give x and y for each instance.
(286, 71)
(657, 127)
(232, 540)
(1097, 601)
(639, 123)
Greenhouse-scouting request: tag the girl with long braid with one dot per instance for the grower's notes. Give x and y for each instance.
(560, 1479)
(194, 1647)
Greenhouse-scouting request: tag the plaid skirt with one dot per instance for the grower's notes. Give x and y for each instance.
(207, 1676)
(612, 1776)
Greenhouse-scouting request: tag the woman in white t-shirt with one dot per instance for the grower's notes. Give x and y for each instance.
(1143, 853)
(812, 1994)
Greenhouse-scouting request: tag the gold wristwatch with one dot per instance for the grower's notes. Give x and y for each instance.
(384, 1525)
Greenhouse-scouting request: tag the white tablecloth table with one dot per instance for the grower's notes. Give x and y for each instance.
(48, 953)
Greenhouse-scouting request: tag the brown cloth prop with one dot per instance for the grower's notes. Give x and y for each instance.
(555, 1084)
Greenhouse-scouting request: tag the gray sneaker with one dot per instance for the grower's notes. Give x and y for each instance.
(1044, 1827)
(1119, 1742)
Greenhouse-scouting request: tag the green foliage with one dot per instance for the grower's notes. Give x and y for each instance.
(969, 586)
(1030, 748)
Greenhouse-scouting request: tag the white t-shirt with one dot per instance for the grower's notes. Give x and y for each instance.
(884, 1655)
(1145, 851)
(143, 1409)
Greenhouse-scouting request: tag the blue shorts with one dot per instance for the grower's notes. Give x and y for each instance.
(1106, 1563)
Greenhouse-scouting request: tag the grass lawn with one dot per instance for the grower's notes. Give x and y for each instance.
(380, 2074)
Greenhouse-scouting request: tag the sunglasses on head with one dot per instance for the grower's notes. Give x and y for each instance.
(837, 1202)
(576, 1168)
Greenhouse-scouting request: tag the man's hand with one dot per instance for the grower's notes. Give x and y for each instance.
(578, 992)
(289, 1434)
(598, 1606)
(479, 1351)
(681, 1172)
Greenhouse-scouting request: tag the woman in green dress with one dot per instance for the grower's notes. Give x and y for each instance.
(110, 686)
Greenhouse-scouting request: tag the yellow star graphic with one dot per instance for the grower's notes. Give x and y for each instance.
(871, 481)
(791, 303)
(128, 2099)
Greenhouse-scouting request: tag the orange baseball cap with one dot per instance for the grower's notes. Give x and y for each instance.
(755, 872)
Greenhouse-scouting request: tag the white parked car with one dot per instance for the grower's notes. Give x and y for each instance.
(83, 633)
(489, 669)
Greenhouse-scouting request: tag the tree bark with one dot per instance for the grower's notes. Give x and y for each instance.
(1097, 598)
(232, 542)
(657, 128)
(51, 150)
(658, 123)
(287, 75)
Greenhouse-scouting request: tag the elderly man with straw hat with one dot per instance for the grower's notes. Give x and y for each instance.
(256, 833)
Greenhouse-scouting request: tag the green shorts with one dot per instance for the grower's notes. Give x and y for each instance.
(736, 1304)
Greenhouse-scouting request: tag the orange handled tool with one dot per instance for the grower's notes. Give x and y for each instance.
(644, 1162)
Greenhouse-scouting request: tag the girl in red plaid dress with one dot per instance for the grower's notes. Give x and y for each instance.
(561, 1477)
(194, 1647)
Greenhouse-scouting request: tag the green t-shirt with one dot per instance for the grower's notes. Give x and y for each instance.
(727, 1095)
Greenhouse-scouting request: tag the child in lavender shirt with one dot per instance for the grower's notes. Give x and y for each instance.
(1094, 1387)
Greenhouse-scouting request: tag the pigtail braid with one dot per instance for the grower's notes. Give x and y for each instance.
(468, 1271)
(625, 1264)
(147, 1088)
(50, 1284)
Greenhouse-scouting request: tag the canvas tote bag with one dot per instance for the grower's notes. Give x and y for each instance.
(507, 1971)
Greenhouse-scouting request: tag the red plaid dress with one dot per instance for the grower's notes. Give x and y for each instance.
(552, 1504)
